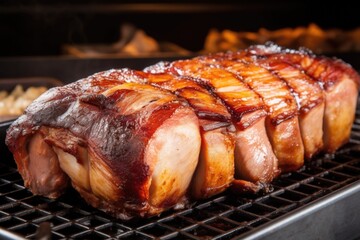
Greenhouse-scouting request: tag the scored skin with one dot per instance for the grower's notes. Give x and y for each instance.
(56, 101)
(341, 93)
(215, 171)
(98, 122)
(310, 99)
(339, 81)
(38, 135)
(306, 91)
(282, 122)
(164, 183)
(247, 112)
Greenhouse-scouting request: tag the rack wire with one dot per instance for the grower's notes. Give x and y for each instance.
(222, 217)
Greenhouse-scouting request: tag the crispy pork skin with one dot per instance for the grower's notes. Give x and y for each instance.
(310, 100)
(247, 110)
(307, 93)
(282, 122)
(215, 170)
(339, 81)
(121, 148)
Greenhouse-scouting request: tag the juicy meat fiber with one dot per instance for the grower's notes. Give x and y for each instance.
(282, 121)
(215, 171)
(339, 81)
(122, 147)
(248, 114)
(136, 143)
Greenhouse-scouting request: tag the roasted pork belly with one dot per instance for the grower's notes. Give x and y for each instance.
(215, 170)
(282, 123)
(136, 143)
(253, 147)
(339, 81)
(306, 91)
(121, 148)
(310, 100)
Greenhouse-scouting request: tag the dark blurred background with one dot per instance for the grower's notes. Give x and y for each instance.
(33, 33)
(41, 28)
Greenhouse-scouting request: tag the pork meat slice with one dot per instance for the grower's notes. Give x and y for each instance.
(215, 170)
(130, 150)
(310, 100)
(255, 161)
(308, 95)
(136, 143)
(339, 81)
(282, 123)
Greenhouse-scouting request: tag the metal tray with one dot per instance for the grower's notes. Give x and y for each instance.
(320, 201)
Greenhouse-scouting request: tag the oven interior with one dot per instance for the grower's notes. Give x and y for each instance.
(318, 201)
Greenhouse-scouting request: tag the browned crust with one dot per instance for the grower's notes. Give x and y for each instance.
(328, 71)
(117, 139)
(306, 89)
(205, 104)
(239, 102)
(81, 109)
(275, 93)
(332, 76)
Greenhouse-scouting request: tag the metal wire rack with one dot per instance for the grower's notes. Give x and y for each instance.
(222, 217)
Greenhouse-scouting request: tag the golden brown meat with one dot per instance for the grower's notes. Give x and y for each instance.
(306, 91)
(135, 143)
(215, 170)
(282, 123)
(339, 81)
(120, 148)
(254, 158)
(310, 100)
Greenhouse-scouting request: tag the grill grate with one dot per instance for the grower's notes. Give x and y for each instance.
(221, 217)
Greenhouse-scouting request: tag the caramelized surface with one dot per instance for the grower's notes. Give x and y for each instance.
(136, 143)
(336, 78)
